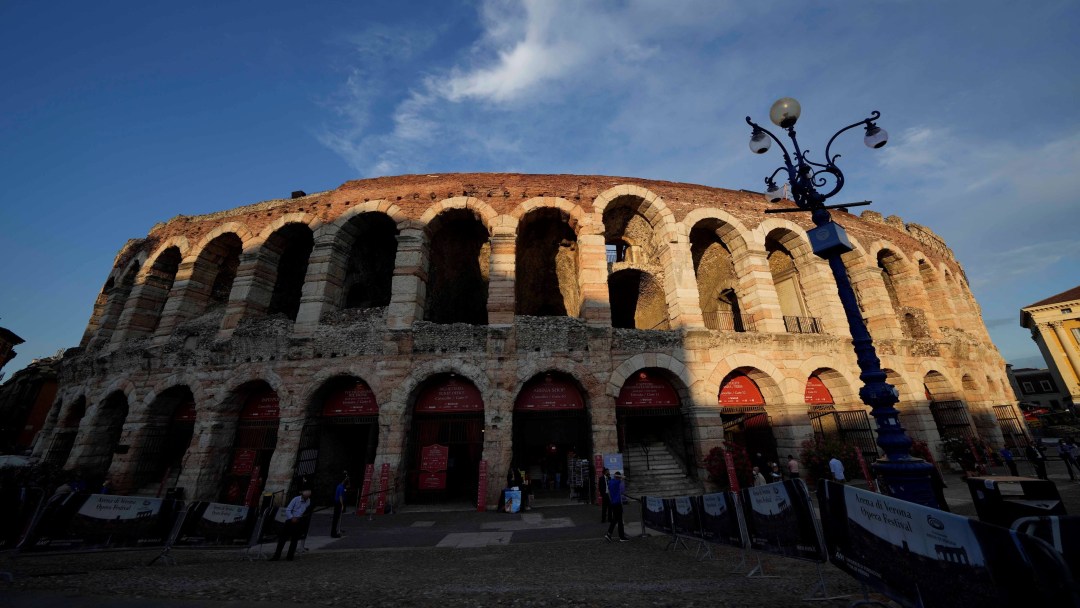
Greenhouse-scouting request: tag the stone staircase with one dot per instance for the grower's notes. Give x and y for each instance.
(663, 476)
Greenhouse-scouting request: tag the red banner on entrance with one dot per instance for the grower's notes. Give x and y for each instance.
(452, 395)
(817, 393)
(481, 491)
(432, 481)
(253, 487)
(185, 413)
(434, 457)
(549, 394)
(365, 489)
(733, 478)
(740, 390)
(644, 390)
(261, 406)
(243, 461)
(356, 400)
(384, 482)
(865, 470)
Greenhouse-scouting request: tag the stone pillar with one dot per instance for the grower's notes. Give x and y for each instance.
(592, 265)
(877, 309)
(680, 286)
(823, 297)
(252, 289)
(186, 300)
(941, 307)
(791, 426)
(500, 304)
(708, 434)
(605, 437)
(283, 462)
(322, 284)
(409, 285)
(207, 456)
(757, 295)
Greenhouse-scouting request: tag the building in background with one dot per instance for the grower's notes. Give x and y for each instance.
(431, 330)
(25, 400)
(1054, 324)
(8, 342)
(1036, 387)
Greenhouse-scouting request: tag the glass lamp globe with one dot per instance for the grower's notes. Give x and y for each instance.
(785, 112)
(876, 137)
(759, 142)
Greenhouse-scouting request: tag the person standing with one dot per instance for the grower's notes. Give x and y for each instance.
(339, 506)
(605, 496)
(837, 469)
(774, 473)
(1037, 459)
(792, 467)
(1007, 456)
(1066, 450)
(759, 479)
(616, 490)
(293, 526)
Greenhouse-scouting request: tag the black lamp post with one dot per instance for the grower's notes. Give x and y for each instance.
(905, 477)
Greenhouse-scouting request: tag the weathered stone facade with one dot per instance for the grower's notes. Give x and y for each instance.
(403, 283)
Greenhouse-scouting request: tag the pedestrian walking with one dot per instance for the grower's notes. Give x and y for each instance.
(1037, 459)
(837, 469)
(1007, 456)
(1066, 450)
(792, 467)
(605, 496)
(339, 506)
(293, 526)
(616, 489)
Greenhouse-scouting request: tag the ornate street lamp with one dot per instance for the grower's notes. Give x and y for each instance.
(905, 477)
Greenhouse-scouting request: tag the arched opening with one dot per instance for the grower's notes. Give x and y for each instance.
(370, 269)
(253, 447)
(745, 420)
(170, 426)
(652, 431)
(847, 426)
(950, 412)
(637, 301)
(155, 291)
(546, 265)
(104, 435)
(214, 272)
(63, 438)
(789, 290)
(889, 265)
(291, 245)
(551, 428)
(341, 436)
(459, 268)
(117, 299)
(448, 428)
(716, 279)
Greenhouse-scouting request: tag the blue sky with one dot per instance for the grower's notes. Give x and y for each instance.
(117, 115)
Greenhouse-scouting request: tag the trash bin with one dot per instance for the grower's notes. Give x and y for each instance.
(1003, 500)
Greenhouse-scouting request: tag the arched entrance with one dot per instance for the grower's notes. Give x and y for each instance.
(256, 438)
(343, 438)
(550, 424)
(448, 413)
(847, 426)
(648, 416)
(746, 423)
(165, 439)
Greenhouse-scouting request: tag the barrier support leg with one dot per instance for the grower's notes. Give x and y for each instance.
(758, 571)
(675, 542)
(866, 601)
(704, 551)
(819, 592)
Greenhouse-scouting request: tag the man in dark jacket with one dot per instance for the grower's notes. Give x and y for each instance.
(616, 488)
(1037, 459)
(605, 496)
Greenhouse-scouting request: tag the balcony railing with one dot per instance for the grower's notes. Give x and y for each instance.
(728, 321)
(802, 325)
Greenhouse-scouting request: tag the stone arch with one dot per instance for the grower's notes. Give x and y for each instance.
(360, 253)
(841, 382)
(591, 388)
(652, 361)
(214, 264)
(402, 396)
(769, 379)
(938, 385)
(459, 263)
(730, 229)
(722, 292)
(391, 210)
(483, 212)
(229, 398)
(148, 298)
(577, 218)
(970, 386)
(650, 205)
(547, 264)
(182, 377)
(637, 300)
(797, 284)
(160, 443)
(181, 244)
(117, 289)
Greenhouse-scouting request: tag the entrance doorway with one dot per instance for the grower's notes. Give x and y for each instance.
(342, 440)
(648, 415)
(449, 412)
(256, 438)
(551, 426)
(746, 423)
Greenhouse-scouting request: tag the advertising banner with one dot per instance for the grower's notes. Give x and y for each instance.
(733, 477)
(434, 457)
(384, 483)
(365, 489)
(722, 520)
(685, 519)
(865, 470)
(109, 515)
(432, 481)
(513, 501)
(921, 556)
(598, 466)
(481, 489)
(1061, 533)
(780, 520)
(613, 463)
(654, 515)
(215, 521)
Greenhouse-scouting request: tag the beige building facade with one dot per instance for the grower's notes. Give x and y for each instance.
(535, 319)
(1054, 324)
